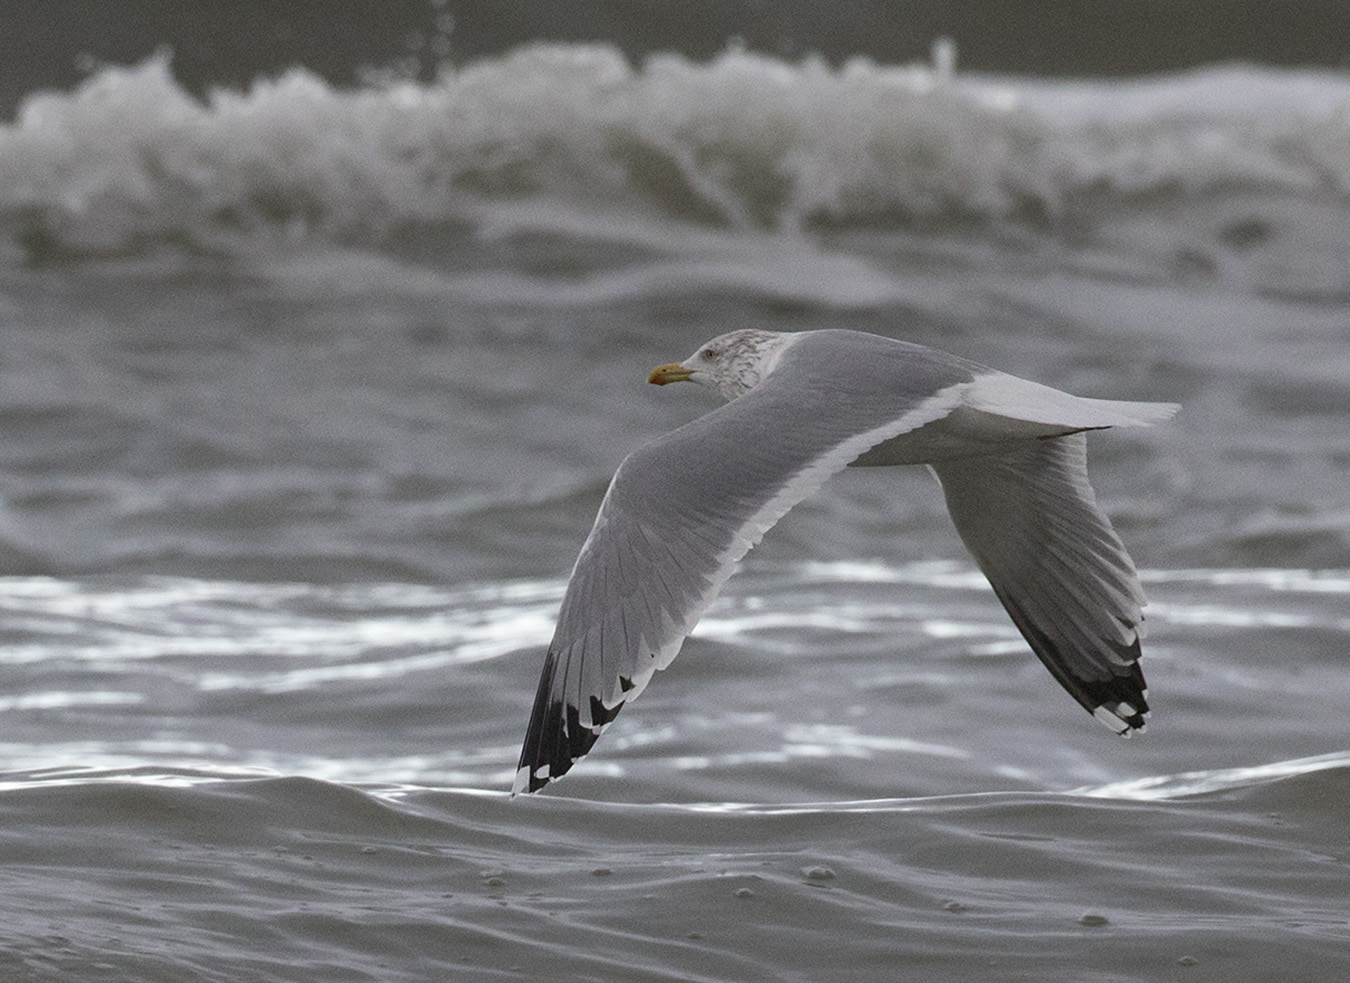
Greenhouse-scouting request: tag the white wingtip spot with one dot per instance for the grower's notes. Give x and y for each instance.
(522, 781)
(1111, 720)
(523, 777)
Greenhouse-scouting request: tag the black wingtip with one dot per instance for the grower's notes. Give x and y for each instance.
(1125, 715)
(1119, 701)
(555, 738)
(1123, 697)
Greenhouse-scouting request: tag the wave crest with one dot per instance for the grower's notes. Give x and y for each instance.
(131, 159)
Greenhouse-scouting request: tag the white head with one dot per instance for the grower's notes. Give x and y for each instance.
(733, 363)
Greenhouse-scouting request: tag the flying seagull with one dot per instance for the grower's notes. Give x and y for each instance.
(1011, 456)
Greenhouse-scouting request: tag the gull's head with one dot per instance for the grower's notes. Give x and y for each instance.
(733, 363)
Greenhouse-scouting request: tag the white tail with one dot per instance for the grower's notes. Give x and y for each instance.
(1017, 399)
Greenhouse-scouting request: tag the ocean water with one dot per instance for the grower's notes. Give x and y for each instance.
(309, 392)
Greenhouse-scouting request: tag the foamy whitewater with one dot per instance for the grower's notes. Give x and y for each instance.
(309, 394)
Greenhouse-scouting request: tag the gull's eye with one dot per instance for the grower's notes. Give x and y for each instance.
(708, 354)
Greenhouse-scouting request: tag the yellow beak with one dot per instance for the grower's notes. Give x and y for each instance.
(674, 372)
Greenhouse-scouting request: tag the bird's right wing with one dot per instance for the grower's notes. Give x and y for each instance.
(1032, 522)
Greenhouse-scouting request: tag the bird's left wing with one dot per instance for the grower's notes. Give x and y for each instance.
(682, 510)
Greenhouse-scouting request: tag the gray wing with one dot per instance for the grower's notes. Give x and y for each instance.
(1032, 522)
(682, 510)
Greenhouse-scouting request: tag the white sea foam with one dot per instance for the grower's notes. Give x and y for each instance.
(1161, 787)
(131, 160)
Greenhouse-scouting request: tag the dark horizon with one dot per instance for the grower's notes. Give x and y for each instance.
(53, 45)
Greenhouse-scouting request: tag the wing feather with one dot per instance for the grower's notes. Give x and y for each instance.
(1032, 522)
(681, 512)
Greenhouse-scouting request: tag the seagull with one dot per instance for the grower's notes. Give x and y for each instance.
(682, 510)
